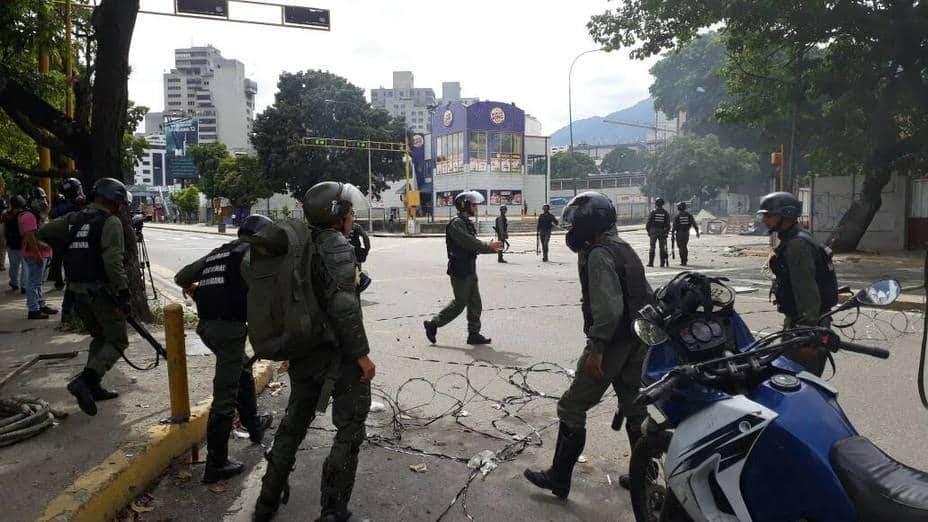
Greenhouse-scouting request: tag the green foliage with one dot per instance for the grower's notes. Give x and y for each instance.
(15, 146)
(240, 179)
(317, 103)
(133, 146)
(623, 159)
(576, 165)
(187, 200)
(206, 158)
(697, 165)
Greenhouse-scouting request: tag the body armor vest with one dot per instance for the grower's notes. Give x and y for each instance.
(83, 256)
(683, 222)
(461, 263)
(221, 289)
(825, 276)
(659, 220)
(636, 292)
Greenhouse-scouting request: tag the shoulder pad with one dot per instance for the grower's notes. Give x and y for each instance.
(334, 248)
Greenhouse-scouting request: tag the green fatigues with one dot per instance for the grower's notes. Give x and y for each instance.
(233, 384)
(502, 232)
(326, 369)
(622, 357)
(463, 248)
(99, 313)
(546, 222)
(658, 226)
(682, 223)
(800, 260)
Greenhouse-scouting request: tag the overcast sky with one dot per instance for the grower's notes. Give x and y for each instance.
(504, 50)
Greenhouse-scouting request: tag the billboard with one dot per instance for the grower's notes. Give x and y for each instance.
(505, 197)
(179, 135)
(445, 198)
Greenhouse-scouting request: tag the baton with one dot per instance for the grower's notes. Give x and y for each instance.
(673, 246)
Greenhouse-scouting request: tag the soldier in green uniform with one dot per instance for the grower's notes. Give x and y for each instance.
(463, 247)
(94, 247)
(657, 227)
(338, 366)
(614, 288)
(682, 223)
(217, 283)
(546, 222)
(501, 228)
(806, 285)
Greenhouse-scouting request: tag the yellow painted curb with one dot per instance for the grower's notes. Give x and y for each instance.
(102, 492)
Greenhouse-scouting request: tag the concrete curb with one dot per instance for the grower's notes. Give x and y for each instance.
(213, 232)
(102, 492)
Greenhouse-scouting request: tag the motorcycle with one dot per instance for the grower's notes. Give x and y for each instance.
(747, 434)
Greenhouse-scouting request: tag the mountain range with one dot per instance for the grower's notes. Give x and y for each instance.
(594, 131)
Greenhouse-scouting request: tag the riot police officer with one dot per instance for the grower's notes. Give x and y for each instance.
(681, 231)
(463, 247)
(217, 282)
(614, 288)
(71, 199)
(338, 367)
(806, 285)
(546, 222)
(502, 231)
(657, 227)
(94, 250)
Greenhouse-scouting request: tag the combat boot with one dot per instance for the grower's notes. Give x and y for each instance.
(258, 426)
(430, 331)
(633, 430)
(476, 338)
(651, 259)
(102, 394)
(568, 448)
(81, 387)
(247, 405)
(218, 466)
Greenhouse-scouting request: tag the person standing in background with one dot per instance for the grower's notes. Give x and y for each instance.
(35, 255)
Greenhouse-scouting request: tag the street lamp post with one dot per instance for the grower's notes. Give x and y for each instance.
(570, 103)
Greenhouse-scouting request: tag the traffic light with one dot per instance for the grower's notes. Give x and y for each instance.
(319, 141)
(308, 16)
(361, 144)
(218, 8)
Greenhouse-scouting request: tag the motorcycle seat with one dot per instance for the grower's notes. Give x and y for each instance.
(880, 487)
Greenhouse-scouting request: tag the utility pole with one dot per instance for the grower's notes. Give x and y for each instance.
(370, 192)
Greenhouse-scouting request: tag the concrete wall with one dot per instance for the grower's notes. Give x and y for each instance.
(833, 195)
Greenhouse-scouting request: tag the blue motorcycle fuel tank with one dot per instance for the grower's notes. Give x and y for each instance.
(788, 474)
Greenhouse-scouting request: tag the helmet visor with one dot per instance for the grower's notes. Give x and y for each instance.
(472, 196)
(353, 195)
(569, 215)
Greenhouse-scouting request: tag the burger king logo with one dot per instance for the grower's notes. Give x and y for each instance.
(417, 141)
(447, 118)
(497, 116)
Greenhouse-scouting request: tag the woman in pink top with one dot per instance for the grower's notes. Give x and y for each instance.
(35, 255)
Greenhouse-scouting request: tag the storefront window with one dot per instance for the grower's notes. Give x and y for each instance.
(450, 153)
(505, 152)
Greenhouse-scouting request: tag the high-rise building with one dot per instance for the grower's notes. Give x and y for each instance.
(150, 170)
(215, 91)
(404, 100)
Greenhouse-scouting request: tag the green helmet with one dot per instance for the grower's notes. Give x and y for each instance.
(329, 201)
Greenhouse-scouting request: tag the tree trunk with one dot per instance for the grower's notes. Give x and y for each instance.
(853, 225)
(113, 22)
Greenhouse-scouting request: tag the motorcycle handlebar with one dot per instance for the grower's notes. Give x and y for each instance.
(657, 390)
(872, 351)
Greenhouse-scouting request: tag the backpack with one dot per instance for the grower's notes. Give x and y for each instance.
(284, 318)
(14, 239)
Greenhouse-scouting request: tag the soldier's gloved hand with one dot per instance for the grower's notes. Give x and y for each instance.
(124, 302)
(368, 369)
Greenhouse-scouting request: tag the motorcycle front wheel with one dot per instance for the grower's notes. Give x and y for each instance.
(652, 499)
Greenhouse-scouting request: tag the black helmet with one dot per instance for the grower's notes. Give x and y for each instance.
(782, 203)
(111, 190)
(252, 224)
(659, 202)
(468, 196)
(502, 209)
(327, 202)
(545, 207)
(17, 202)
(71, 188)
(588, 214)
(681, 206)
(38, 200)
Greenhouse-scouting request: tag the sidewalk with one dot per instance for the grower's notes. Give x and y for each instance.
(35, 471)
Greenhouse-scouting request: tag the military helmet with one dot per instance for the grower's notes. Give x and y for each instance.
(38, 200)
(503, 209)
(588, 214)
(681, 206)
(468, 196)
(252, 224)
(329, 201)
(782, 203)
(17, 202)
(659, 202)
(112, 190)
(71, 189)
(546, 207)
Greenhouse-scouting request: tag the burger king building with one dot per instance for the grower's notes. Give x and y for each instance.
(482, 146)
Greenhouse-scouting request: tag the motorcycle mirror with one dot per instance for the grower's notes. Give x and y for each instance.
(649, 333)
(880, 293)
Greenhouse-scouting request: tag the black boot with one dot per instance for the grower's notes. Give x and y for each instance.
(557, 478)
(81, 387)
(633, 430)
(102, 394)
(247, 405)
(430, 331)
(218, 465)
(476, 338)
(651, 259)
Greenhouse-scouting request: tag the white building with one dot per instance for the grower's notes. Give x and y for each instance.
(215, 90)
(150, 170)
(404, 100)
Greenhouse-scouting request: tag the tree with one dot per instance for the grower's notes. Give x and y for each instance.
(187, 201)
(239, 178)
(206, 158)
(576, 165)
(849, 77)
(623, 159)
(696, 165)
(317, 103)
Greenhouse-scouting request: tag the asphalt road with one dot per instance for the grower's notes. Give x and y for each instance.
(531, 311)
